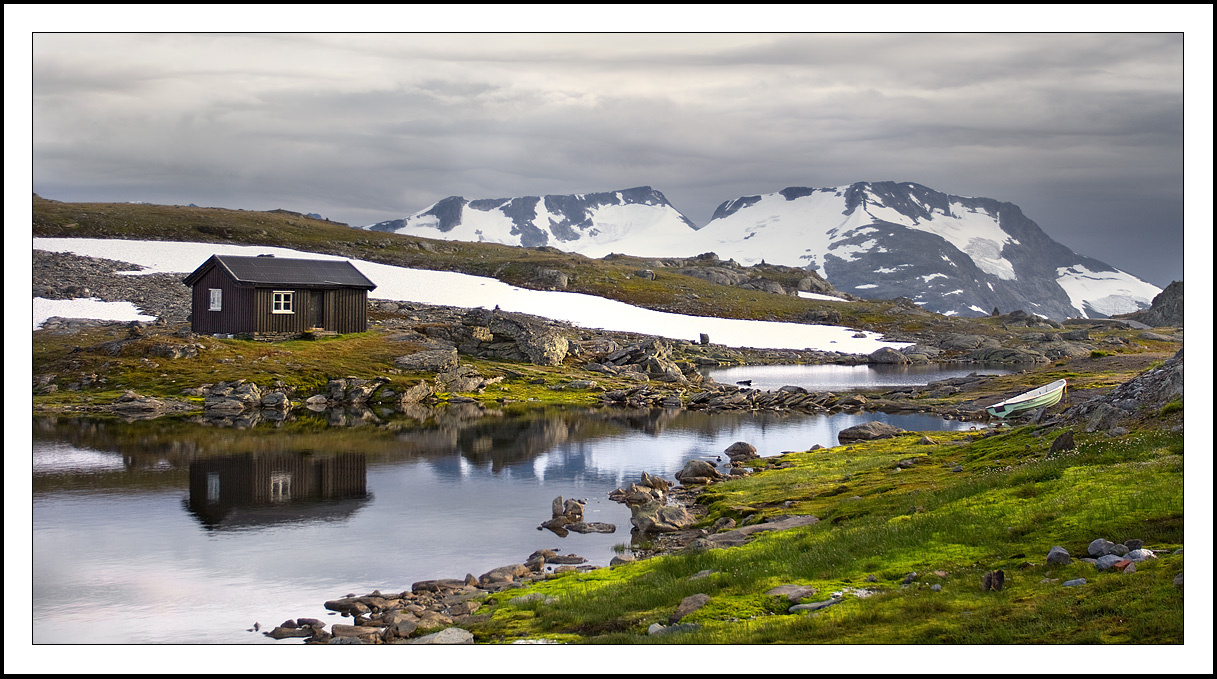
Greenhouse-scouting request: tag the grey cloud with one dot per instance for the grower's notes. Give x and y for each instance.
(1083, 131)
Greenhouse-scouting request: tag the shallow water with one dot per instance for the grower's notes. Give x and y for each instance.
(188, 532)
(841, 377)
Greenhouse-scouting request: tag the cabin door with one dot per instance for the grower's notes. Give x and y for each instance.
(317, 309)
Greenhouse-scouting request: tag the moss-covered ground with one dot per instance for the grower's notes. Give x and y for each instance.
(1010, 504)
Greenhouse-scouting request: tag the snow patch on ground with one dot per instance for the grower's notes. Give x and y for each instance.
(816, 295)
(85, 307)
(463, 290)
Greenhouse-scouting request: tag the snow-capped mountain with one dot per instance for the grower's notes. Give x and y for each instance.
(640, 220)
(951, 254)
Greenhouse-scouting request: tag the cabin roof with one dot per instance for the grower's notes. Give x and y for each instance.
(281, 271)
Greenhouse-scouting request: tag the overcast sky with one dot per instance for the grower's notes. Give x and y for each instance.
(1085, 132)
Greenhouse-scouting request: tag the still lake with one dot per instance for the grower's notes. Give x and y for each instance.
(191, 530)
(841, 377)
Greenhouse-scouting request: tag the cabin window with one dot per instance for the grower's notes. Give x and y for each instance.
(281, 302)
(217, 296)
(213, 487)
(280, 486)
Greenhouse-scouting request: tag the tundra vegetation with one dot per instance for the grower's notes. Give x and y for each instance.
(907, 529)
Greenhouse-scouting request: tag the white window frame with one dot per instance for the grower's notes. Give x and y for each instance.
(216, 300)
(282, 302)
(213, 487)
(280, 486)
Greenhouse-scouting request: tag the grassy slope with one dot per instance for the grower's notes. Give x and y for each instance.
(1009, 506)
(613, 278)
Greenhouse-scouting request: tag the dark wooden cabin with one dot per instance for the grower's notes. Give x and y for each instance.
(274, 297)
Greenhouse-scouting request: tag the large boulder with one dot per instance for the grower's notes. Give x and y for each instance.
(867, 432)
(1165, 310)
(654, 517)
(697, 471)
(1145, 393)
(888, 355)
(432, 360)
(740, 451)
(551, 279)
(539, 343)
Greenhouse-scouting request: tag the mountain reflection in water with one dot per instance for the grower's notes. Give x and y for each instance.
(187, 530)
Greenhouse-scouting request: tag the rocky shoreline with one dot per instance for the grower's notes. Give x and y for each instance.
(431, 611)
(663, 373)
(440, 611)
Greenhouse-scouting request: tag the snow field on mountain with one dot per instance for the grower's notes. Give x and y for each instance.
(651, 231)
(1108, 292)
(85, 307)
(779, 231)
(463, 290)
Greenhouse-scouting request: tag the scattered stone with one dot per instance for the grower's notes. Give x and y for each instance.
(282, 632)
(936, 588)
(1108, 561)
(1099, 547)
(688, 605)
(683, 628)
(1178, 581)
(451, 635)
(1134, 544)
(1063, 442)
(1139, 555)
(909, 579)
(1074, 583)
(993, 581)
(799, 608)
(722, 524)
(795, 593)
(621, 559)
(1058, 556)
(340, 630)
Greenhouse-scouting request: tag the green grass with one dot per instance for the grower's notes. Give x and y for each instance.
(1010, 506)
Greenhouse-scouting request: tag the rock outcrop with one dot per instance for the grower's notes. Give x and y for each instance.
(1143, 394)
(1165, 310)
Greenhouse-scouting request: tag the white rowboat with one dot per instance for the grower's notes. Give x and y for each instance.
(1047, 395)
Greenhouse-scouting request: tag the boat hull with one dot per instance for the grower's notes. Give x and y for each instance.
(1036, 398)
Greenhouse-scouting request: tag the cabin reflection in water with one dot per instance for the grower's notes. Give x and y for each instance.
(248, 491)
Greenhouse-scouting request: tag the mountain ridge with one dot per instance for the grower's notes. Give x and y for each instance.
(956, 255)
